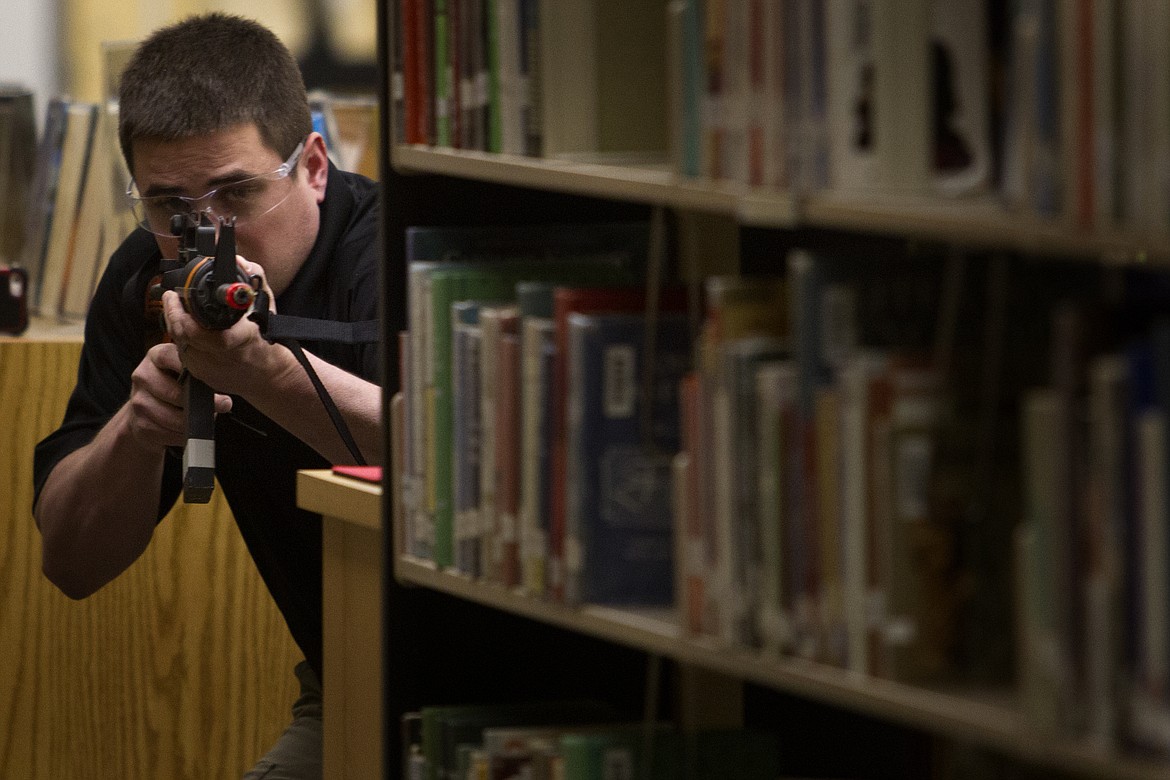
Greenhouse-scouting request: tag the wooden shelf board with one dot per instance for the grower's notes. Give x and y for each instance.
(988, 719)
(984, 222)
(41, 329)
(347, 498)
(641, 183)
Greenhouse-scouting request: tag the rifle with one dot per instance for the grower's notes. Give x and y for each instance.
(216, 293)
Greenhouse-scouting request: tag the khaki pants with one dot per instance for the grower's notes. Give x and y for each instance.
(297, 754)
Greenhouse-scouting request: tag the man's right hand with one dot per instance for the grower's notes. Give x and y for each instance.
(157, 414)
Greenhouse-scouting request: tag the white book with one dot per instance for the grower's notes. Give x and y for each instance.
(1108, 486)
(75, 150)
(491, 323)
(857, 525)
(902, 89)
(776, 388)
(852, 69)
(1137, 183)
(777, 114)
(418, 493)
(86, 260)
(737, 546)
(960, 74)
(536, 340)
(880, 59)
(1149, 703)
(1106, 110)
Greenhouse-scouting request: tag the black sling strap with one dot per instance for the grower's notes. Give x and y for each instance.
(288, 330)
(278, 327)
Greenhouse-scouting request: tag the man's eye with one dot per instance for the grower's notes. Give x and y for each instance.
(238, 193)
(169, 204)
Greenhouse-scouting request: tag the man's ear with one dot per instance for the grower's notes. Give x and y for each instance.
(316, 161)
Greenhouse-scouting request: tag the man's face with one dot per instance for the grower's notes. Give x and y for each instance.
(278, 240)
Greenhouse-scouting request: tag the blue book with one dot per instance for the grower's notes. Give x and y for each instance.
(618, 533)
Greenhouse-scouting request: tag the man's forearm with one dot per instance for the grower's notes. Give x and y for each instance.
(291, 401)
(97, 509)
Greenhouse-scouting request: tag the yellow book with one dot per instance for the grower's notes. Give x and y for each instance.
(88, 240)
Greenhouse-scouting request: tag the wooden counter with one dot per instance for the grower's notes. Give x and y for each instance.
(179, 668)
(351, 582)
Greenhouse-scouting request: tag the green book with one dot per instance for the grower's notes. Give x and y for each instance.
(446, 729)
(621, 753)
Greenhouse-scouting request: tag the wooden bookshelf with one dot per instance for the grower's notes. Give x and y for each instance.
(442, 186)
(988, 718)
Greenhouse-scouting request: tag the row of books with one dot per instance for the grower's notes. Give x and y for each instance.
(349, 125)
(77, 211)
(841, 94)
(787, 482)
(564, 433)
(495, 473)
(1057, 108)
(1092, 554)
(573, 741)
(801, 95)
(1085, 112)
(530, 77)
(807, 518)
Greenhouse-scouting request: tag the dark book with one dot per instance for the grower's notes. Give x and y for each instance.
(623, 431)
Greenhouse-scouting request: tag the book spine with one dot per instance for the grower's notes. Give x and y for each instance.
(536, 360)
(508, 456)
(465, 453)
(1103, 635)
(1105, 102)
(442, 72)
(489, 388)
(692, 562)
(776, 400)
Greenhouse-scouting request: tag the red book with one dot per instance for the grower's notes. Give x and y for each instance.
(414, 116)
(508, 454)
(364, 473)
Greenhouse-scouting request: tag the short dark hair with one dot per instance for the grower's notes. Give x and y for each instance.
(210, 72)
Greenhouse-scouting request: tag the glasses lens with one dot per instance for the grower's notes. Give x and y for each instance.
(247, 200)
(155, 214)
(242, 201)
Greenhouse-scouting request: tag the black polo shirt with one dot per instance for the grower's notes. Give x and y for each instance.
(256, 459)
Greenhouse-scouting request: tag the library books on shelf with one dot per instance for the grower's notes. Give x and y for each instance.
(805, 478)
(829, 114)
(856, 147)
